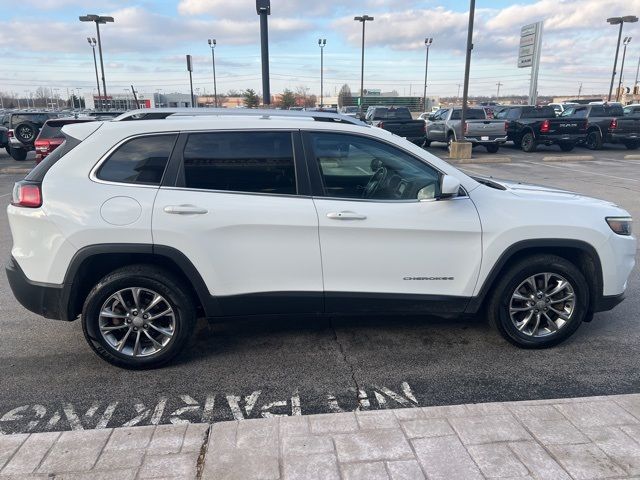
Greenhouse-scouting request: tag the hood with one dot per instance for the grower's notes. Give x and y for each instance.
(532, 191)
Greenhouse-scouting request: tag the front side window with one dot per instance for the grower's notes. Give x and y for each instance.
(358, 167)
(253, 162)
(141, 160)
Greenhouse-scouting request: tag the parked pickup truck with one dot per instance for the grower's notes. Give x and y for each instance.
(529, 126)
(397, 120)
(446, 126)
(606, 124)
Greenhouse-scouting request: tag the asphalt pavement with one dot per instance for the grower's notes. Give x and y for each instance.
(256, 367)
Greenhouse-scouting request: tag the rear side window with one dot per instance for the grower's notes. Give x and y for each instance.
(53, 128)
(255, 162)
(539, 112)
(141, 160)
(472, 114)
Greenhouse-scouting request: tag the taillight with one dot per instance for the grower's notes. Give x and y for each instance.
(506, 126)
(42, 146)
(10, 134)
(545, 127)
(381, 125)
(27, 194)
(613, 124)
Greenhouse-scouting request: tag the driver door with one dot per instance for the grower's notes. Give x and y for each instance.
(381, 247)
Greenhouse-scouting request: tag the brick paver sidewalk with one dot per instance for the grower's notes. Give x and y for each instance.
(582, 438)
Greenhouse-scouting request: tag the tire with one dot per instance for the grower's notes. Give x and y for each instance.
(510, 282)
(26, 132)
(493, 148)
(19, 154)
(566, 147)
(150, 280)
(594, 140)
(632, 145)
(528, 143)
(426, 143)
(8, 150)
(450, 140)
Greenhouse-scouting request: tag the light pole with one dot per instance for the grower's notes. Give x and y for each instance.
(618, 21)
(97, 19)
(625, 42)
(322, 42)
(362, 19)
(427, 43)
(92, 43)
(263, 8)
(212, 44)
(467, 66)
(637, 71)
(499, 84)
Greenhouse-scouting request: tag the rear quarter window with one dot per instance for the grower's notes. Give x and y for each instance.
(141, 160)
(40, 170)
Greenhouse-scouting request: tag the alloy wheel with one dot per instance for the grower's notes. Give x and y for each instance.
(542, 304)
(137, 322)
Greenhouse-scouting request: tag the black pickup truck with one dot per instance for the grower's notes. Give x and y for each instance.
(529, 126)
(397, 120)
(606, 124)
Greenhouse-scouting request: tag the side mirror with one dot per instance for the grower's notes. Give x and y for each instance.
(449, 187)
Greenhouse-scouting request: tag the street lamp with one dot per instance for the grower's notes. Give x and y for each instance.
(625, 42)
(212, 44)
(322, 42)
(97, 19)
(618, 21)
(263, 8)
(467, 67)
(363, 19)
(427, 43)
(92, 43)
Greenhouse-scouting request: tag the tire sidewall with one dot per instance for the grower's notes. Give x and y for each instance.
(181, 304)
(528, 146)
(518, 275)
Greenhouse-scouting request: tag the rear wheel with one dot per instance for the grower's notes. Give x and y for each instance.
(528, 143)
(19, 154)
(566, 147)
(493, 148)
(539, 302)
(594, 140)
(138, 317)
(450, 140)
(632, 145)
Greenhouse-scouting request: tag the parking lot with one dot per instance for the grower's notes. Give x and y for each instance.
(253, 367)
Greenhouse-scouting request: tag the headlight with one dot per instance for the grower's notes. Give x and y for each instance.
(620, 225)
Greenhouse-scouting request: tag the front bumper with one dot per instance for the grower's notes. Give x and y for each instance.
(43, 299)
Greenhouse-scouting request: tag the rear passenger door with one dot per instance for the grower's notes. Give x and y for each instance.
(236, 204)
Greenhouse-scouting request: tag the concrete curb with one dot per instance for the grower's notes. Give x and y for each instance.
(481, 160)
(567, 158)
(632, 157)
(589, 437)
(14, 170)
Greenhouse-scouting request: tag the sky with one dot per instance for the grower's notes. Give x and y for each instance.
(42, 43)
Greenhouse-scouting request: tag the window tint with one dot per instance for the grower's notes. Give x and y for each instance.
(472, 114)
(260, 162)
(539, 112)
(502, 114)
(140, 160)
(613, 110)
(597, 111)
(357, 167)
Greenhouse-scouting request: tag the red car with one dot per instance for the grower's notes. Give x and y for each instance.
(51, 137)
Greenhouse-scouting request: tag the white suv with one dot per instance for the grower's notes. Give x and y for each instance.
(139, 227)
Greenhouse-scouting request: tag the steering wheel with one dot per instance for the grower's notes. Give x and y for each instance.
(377, 179)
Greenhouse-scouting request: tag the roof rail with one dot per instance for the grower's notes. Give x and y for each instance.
(161, 113)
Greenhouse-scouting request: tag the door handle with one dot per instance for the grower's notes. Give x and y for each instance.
(185, 210)
(346, 216)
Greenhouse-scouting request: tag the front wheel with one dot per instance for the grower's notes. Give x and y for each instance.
(18, 154)
(594, 140)
(138, 317)
(493, 148)
(632, 145)
(539, 302)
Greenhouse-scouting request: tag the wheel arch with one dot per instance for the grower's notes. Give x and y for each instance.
(582, 254)
(92, 263)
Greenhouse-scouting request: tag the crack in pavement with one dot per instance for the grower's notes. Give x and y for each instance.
(203, 454)
(346, 361)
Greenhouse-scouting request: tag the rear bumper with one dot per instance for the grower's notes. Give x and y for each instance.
(480, 141)
(43, 299)
(561, 138)
(621, 137)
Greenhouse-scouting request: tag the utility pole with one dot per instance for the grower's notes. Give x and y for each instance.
(212, 44)
(322, 42)
(190, 70)
(467, 64)
(92, 44)
(580, 91)
(637, 71)
(459, 85)
(627, 41)
(427, 43)
(363, 19)
(498, 92)
(263, 8)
